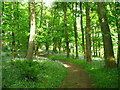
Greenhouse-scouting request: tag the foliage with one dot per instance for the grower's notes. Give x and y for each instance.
(50, 34)
(32, 74)
(98, 75)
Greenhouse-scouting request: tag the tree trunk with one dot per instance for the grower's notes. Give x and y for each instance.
(55, 45)
(118, 54)
(59, 46)
(13, 35)
(66, 31)
(93, 39)
(47, 47)
(75, 33)
(96, 44)
(32, 32)
(41, 12)
(88, 38)
(118, 30)
(18, 28)
(2, 4)
(82, 30)
(99, 46)
(107, 40)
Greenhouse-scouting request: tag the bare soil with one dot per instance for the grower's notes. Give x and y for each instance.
(76, 77)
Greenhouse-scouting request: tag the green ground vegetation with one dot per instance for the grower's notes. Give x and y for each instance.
(101, 77)
(32, 74)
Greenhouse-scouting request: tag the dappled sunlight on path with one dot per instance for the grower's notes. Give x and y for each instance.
(76, 77)
(65, 65)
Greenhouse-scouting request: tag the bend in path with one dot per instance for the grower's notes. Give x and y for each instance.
(76, 77)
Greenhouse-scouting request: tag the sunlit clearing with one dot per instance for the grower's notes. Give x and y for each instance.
(48, 2)
(66, 65)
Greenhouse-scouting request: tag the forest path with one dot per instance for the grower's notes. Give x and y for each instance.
(76, 77)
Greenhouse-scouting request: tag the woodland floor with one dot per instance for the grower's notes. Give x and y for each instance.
(76, 77)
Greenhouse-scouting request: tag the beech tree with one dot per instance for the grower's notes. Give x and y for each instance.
(32, 32)
(62, 28)
(13, 35)
(75, 27)
(82, 30)
(117, 9)
(107, 40)
(87, 32)
(65, 28)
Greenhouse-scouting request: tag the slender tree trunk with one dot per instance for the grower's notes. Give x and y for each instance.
(75, 32)
(66, 31)
(59, 45)
(41, 12)
(54, 45)
(47, 47)
(99, 46)
(2, 4)
(29, 13)
(60, 39)
(88, 38)
(94, 42)
(107, 40)
(17, 18)
(2, 42)
(13, 35)
(82, 30)
(54, 38)
(32, 32)
(96, 48)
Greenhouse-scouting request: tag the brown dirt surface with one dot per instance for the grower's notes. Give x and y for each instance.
(76, 77)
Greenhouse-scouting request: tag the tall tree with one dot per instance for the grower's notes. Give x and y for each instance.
(107, 40)
(54, 30)
(32, 31)
(40, 25)
(82, 30)
(88, 38)
(75, 28)
(13, 35)
(117, 15)
(65, 28)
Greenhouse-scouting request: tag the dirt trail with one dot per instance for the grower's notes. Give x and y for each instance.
(76, 77)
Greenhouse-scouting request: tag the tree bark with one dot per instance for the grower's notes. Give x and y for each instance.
(93, 40)
(99, 46)
(41, 12)
(18, 27)
(107, 40)
(96, 44)
(118, 30)
(82, 30)
(75, 31)
(53, 33)
(66, 31)
(32, 32)
(13, 35)
(88, 38)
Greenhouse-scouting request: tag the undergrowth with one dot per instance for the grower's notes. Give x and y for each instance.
(100, 77)
(32, 74)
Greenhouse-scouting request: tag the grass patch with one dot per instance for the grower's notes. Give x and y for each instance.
(100, 77)
(32, 74)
